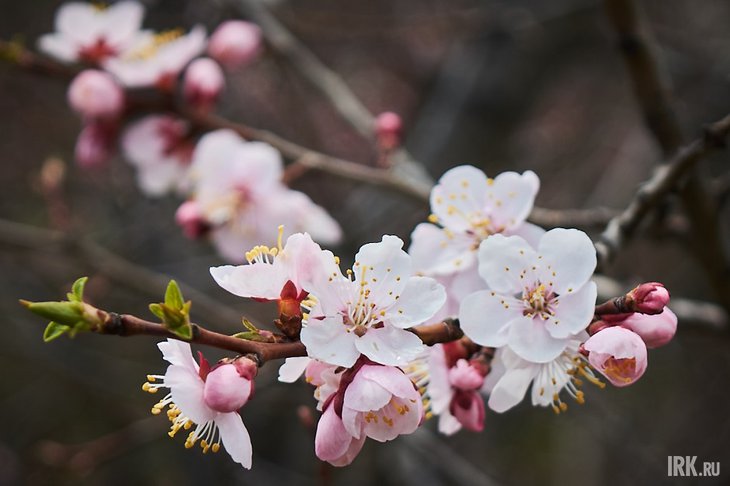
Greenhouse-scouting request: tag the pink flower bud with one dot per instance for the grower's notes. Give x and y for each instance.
(203, 83)
(190, 218)
(388, 127)
(95, 94)
(618, 354)
(656, 330)
(94, 145)
(465, 377)
(649, 298)
(226, 390)
(235, 43)
(468, 408)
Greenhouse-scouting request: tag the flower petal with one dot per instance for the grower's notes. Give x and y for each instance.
(383, 268)
(389, 345)
(460, 197)
(511, 388)
(363, 394)
(328, 340)
(530, 340)
(178, 353)
(436, 251)
(392, 379)
(235, 438)
(507, 263)
(187, 388)
(332, 440)
(573, 312)
(485, 315)
(511, 196)
(422, 297)
(568, 259)
(259, 280)
(293, 369)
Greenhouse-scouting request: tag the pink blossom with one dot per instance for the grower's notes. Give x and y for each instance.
(649, 298)
(468, 408)
(656, 330)
(156, 61)
(618, 354)
(190, 218)
(85, 32)
(235, 43)
(388, 127)
(203, 83)
(207, 397)
(237, 185)
(467, 208)
(538, 298)
(158, 146)
(95, 94)
(95, 144)
(369, 311)
(373, 401)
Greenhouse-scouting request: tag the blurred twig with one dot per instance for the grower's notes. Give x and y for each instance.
(651, 86)
(111, 265)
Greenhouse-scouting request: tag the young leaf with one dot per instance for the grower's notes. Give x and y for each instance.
(249, 325)
(54, 330)
(156, 309)
(173, 296)
(77, 290)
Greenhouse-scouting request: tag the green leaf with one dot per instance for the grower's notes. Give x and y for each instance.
(173, 296)
(66, 313)
(54, 330)
(77, 290)
(249, 325)
(185, 332)
(156, 309)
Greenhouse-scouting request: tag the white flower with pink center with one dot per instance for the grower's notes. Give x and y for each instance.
(157, 60)
(207, 399)
(467, 208)
(159, 148)
(538, 298)
(237, 186)
(512, 376)
(373, 401)
(90, 33)
(369, 312)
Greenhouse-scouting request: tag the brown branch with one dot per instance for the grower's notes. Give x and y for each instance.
(651, 86)
(665, 179)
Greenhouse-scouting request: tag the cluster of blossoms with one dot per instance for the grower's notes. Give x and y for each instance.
(523, 297)
(234, 188)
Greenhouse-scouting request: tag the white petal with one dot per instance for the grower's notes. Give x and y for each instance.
(178, 353)
(573, 312)
(235, 438)
(448, 424)
(59, 46)
(383, 268)
(511, 197)
(511, 389)
(421, 299)
(79, 21)
(293, 369)
(186, 388)
(459, 198)
(390, 346)
(121, 21)
(435, 251)
(364, 395)
(529, 232)
(485, 316)
(298, 213)
(327, 340)
(570, 254)
(507, 263)
(259, 280)
(530, 339)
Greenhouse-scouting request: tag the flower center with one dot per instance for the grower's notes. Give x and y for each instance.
(538, 300)
(150, 49)
(620, 369)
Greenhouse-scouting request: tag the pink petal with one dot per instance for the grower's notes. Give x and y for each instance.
(391, 379)
(332, 441)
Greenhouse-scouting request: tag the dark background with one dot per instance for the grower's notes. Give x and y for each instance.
(521, 84)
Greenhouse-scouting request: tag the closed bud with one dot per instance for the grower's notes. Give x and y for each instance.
(203, 83)
(655, 330)
(225, 389)
(94, 145)
(235, 43)
(95, 95)
(388, 127)
(464, 376)
(649, 298)
(468, 409)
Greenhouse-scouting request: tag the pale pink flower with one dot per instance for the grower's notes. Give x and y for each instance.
(237, 185)
(538, 298)
(655, 330)
(159, 148)
(190, 218)
(369, 312)
(373, 401)
(86, 32)
(235, 43)
(618, 354)
(280, 273)
(467, 208)
(157, 60)
(207, 397)
(511, 376)
(203, 83)
(95, 94)
(95, 144)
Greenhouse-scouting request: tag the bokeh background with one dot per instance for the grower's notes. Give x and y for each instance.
(518, 84)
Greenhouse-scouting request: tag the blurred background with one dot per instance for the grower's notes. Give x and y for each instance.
(519, 84)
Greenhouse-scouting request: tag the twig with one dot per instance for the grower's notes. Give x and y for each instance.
(111, 265)
(665, 179)
(652, 92)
